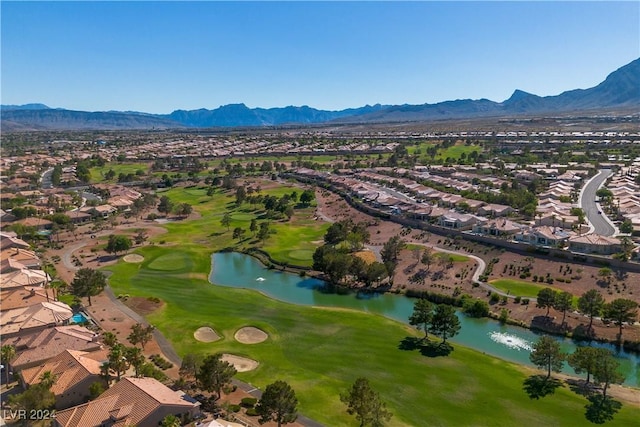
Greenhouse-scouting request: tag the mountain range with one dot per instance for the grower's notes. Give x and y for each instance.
(621, 89)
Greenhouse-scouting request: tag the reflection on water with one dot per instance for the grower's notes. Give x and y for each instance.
(485, 335)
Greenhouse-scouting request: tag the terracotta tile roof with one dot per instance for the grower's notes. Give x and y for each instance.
(37, 347)
(70, 368)
(595, 239)
(7, 240)
(24, 277)
(35, 316)
(131, 401)
(21, 297)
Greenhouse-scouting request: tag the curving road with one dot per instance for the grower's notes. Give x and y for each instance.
(599, 222)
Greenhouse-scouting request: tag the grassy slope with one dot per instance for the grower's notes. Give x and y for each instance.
(321, 351)
(518, 287)
(97, 173)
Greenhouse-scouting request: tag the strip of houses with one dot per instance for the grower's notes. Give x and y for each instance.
(554, 226)
(45, 339)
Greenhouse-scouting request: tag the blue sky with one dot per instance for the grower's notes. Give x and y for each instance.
(160, 56)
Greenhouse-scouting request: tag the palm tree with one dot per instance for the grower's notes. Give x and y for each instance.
(8, 352)
(48, 379)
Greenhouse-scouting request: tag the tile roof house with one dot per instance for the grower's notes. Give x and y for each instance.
(27, 258)
(22, 297)
(493, 209)
(595, 243)
(22, 278)
(458, 221)
(142, 402)
(10, 240)
(498, 227)
(543, 236)
(37, 347)
(38, 223)
(74, 374)
(25, 320)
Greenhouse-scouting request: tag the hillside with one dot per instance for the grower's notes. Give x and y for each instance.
(621, 89)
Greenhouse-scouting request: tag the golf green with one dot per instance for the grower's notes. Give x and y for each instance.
(321, 351)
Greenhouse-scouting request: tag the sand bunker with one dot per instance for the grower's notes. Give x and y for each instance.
(242, 364)
(133, 258)
(206, 334)
(250, 335)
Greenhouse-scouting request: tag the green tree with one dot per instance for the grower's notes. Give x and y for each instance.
(264, 231)
(170, 421)
(427, 258)
(475, 307)
(190, 365)
(135, 358)
(226, 220)
(547, 355)
(165, 206)
(584, 359)
(546, 299)
(621, 311)
(118, 243)
(421, 316)
(591, 303)
(337, 232)
(241, 195)
(36, 397)
(375, 272)
(606, 371)
(365, 403)
(626, 226)
(238, 233)
(88, 283)
(183, 210)
(7, 353)
(253, 227)
(109, 338)
(337, 266)
(307, 197)
(96, 389)
(278, 403)
(214, 374)
(562, 303)
(116, 360)
(390, 253)
(445, 322)
(140, 334)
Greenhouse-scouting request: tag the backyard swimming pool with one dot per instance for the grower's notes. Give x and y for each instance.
(79, 318)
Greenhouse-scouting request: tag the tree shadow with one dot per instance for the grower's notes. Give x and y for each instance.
(582, 332)
(601, 409)
(410, 343)
(440, 349)
(581, 387)
(537, 386)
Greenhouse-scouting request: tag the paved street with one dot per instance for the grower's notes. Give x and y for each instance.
(588, 204)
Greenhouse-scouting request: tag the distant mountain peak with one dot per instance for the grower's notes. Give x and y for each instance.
(621, 88)
(34, 106)
(518, 95)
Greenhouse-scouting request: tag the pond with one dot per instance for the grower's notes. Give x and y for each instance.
(489, 336)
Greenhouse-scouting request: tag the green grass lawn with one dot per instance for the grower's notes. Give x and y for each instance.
(454, 151)
(453, 257)
(98, 172)
(518, 287)
(321, 351)
(290, 242)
